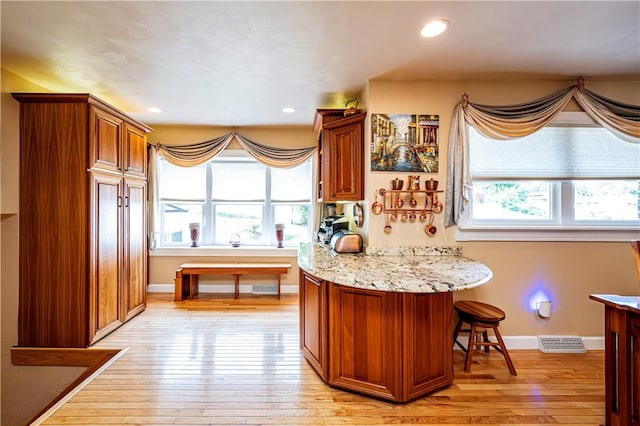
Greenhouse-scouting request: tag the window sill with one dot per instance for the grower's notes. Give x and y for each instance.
(545, 234)
(220, 251)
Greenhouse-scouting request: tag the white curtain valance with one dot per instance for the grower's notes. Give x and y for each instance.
(199, 153)
(513, 121)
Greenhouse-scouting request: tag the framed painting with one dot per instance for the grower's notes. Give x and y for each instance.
(405, 142)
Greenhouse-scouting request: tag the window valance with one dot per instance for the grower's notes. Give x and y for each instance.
(513, 121)
(199, 153)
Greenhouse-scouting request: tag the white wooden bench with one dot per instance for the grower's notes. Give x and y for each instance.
(187, 275)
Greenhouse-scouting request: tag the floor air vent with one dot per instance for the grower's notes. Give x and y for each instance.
(561, 344)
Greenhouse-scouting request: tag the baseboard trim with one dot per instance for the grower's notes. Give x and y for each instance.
(218, 288)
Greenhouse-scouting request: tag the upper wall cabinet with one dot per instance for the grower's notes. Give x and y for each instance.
(341, 155)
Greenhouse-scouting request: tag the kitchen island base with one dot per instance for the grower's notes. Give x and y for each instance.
(390, 345)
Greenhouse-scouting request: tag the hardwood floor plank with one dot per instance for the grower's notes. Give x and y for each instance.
(223, 361)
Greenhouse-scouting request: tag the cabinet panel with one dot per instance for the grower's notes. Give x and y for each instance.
(427, 341)
(634, 374)
(135, 248)
(53, 225)
(104, 294)
(364, 341)
(313, 322)
(106, 141)
(135, 151)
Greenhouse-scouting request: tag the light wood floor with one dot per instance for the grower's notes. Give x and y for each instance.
(237, 362)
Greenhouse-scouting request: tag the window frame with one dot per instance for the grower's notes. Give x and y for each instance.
(207, 224)
(561, 227)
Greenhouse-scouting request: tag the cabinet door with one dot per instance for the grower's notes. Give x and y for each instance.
(105, 141)
(135, 151)
(135, 248)
(105, 257)
(365, 341)
(427, 342)
(342, 160)
(313, 322)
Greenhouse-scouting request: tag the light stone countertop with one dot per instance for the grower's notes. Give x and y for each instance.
(405, 269)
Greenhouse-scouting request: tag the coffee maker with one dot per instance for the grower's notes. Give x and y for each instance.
(331, 224)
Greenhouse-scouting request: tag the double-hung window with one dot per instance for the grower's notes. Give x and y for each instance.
(234, 195)
(572, 180)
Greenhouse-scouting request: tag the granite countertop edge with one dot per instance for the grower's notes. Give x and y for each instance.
(396, 269)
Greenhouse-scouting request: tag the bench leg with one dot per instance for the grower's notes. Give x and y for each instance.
(236, 283)
(178, 291)
(279, 280)
(194, 282)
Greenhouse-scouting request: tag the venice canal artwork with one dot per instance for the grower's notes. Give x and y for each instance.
(404, 142)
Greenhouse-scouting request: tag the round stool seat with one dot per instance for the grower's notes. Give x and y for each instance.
(478, 311)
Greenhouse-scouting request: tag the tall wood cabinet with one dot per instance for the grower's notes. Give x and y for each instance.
(341, 152)
(83, 242)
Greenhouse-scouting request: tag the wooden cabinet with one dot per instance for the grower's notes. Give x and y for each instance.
(341, 155)
(83, 254)
(622, 358)
(313, 322)
(393, 346)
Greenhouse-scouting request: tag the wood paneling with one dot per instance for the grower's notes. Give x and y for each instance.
(365, 349)
(135, 247)
(53, 224)
(216, 360)
(105, 265)
(106, 141)
(135, 155)
(427, 342)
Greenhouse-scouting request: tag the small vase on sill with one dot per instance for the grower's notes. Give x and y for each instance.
(280, 234)
(194, 229)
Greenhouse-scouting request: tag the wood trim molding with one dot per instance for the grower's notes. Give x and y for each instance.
(93, 359)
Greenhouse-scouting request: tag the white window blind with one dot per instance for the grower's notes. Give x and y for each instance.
(291, 184)
(555, 153)
(238, 181)
(181, 183)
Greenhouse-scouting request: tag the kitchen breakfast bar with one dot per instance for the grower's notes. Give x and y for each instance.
(381, 323)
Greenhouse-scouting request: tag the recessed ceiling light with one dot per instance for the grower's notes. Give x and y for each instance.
(154, 109)
(288, 110)
(434, 28)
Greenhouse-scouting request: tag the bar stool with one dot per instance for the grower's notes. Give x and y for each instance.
(480, 317)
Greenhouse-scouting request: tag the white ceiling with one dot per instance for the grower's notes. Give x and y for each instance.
(238, 63)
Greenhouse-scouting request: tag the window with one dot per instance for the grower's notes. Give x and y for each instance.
(234, 194)
(570, 180)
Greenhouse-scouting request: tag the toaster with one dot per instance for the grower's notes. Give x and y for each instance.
(345, 241)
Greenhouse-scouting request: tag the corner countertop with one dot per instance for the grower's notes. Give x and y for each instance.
(405, 269)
